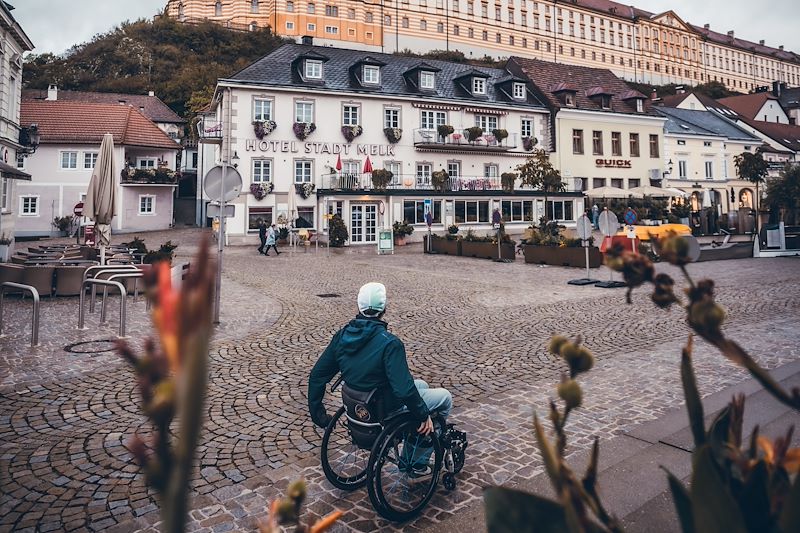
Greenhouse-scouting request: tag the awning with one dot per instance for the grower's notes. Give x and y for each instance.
(13, 173)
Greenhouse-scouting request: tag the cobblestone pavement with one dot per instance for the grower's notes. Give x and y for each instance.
(476, 327)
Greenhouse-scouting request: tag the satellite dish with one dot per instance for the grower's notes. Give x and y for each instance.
(230, 189)
(584, 228)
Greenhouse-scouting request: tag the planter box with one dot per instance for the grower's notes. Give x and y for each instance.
(443, 246)
(486, 250)
(553, 255)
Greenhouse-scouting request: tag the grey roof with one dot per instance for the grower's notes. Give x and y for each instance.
(699, 122)
(277, 70)
(790, 97)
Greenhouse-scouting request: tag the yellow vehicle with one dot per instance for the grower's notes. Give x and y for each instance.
(643, 233)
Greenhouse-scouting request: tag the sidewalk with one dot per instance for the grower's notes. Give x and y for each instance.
(633, 485)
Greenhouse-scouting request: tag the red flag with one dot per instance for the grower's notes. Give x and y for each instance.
(367, 166)
(339, 163)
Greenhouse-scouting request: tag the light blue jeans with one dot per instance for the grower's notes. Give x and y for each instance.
(439, 400)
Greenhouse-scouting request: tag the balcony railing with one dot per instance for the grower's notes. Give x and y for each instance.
(209, 131)
(363, 183)
(459, 140)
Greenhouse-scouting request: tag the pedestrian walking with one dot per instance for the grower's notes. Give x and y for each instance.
(272, 236)
(595, 215)
(262, 234)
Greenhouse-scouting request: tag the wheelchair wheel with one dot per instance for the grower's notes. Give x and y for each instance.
(344, 462)
(398, 488)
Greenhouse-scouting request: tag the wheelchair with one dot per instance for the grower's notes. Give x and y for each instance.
(401, 468)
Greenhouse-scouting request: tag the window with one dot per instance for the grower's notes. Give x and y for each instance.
(633, 183)
(706, 143)
(5, 184)
(427, 80)
(262, 109)
(518, 91)
(456, 30)
(404, 22)
(654, 146)
(526, 127)
(454, 169)
(332, 11)
(218, 9)
(598, 182)
(560, 209)
(616, 143)
(351, 14)
(424, 173)
(313, 69)
(491, 171)
(516, 210)
(302, 171)
(569, 99)
(414, 211)
(485, 35)
(368, 16)
(290, 6)
(391, 117)
(639, 105)
(253, 6)
(467, 212)
(262, 170)
(597, 142)
(423, 25)
(372, 74)
(145, 162)
(310, 8)
(28, 206)
(440, 27)
(634, 142)
(577, 141)
(487, 122)
(305, 217)
(254, 214)
(89, 160)
(396, 168)
(21, 161)
(333, 30)
(350, 115)
(709, 170)
(147, 204)
(478, 86)
(69, 160)
(605, 101)
(616, 182)
(682, 169)
(429, 120)
(289, 25)
(304, 112)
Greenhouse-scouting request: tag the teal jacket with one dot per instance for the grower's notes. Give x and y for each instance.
(369, 357)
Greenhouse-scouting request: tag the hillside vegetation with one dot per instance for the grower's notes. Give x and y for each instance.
(179, 62)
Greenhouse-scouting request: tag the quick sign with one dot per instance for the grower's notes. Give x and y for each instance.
(295, 147)
(613, 163)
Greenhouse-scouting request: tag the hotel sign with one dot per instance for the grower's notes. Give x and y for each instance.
(297, 147)
(613, 163)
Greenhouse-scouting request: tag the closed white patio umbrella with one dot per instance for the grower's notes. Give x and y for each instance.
(650, 190)
(612, 192)
(101, 197)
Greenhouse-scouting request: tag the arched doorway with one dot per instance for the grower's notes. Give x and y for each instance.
(696, 201)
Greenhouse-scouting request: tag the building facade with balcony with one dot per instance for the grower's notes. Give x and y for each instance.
(636, 44)
(13, 43)
(308, 125)
(70, 137)
(604, 134)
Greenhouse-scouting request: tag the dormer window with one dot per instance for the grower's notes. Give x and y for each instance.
(478, 86)
(605, 101)
(639, 105)
(427, 80)
(518, 91)
(569, 99)
(371, 74)
(313, 69)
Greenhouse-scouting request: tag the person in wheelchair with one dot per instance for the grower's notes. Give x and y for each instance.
(370, 357)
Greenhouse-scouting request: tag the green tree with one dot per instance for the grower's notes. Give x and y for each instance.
(538, 173)
(753, 168)
(784, 193)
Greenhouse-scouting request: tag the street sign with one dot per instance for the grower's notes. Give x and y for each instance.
(631, 232)
(213, 210)
(630, 216)
(385, 242)
(213, 183)
(78, 209)
(608, 223)
(584, 228)
(88, 235)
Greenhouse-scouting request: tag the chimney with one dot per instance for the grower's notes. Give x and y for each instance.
(141, 109)
(761, 42)
(780, 48)
(654, 94)
(680, 89)
(730, 34)
(777, 88)
(52, 92)
(307, 39)
(122, 102)
(151, 93)
(706, 26)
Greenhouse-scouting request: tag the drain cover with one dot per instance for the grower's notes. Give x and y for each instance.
(98, 346)
(329, 295)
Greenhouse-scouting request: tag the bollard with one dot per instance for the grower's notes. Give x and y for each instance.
(35, 314)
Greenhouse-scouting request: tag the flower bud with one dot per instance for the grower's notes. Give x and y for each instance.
(571, 393)
(287, 512)
(663, 295)
(637, 269)
(297, 491)
(674, 249)
(706, 317)
(162, 404)
(556, 342)
(577, 357)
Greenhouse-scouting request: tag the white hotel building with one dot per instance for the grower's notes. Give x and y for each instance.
(327, 90)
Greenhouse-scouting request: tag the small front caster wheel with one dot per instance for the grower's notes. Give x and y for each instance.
(449, 481)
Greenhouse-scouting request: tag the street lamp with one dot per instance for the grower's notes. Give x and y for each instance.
(29, 138)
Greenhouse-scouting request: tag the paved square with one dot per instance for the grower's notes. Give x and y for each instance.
(476, 327)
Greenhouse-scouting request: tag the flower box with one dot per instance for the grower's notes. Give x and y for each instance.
(444, 246)
(486, 250)
(562, 256)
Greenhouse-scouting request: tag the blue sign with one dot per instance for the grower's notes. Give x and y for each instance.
(630, 216)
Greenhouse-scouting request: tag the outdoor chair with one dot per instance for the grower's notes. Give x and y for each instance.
(39, 277)
(11, 272)
(19, 259)
(69, 280)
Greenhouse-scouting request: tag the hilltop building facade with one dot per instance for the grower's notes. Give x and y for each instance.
(635, 44)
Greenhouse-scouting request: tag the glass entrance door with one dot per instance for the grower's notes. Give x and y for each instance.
(363, 223)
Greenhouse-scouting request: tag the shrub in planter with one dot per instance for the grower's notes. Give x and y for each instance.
(507, 180)
(528, 143)
(400, 231)
(393, 135)
(452, 229)
(500, 135)
(381, 178)
(473, 134)
(283, 234)
(64, 224)
(262, 128)
(444, 130)
(137, 245)
(681, 210)
(303, 129)
(351, 132)
(165, 253)
(337, 232)
(447, 245)
(439, 180)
